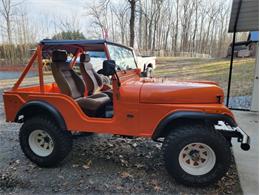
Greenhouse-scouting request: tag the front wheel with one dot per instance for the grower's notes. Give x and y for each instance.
(196, 156)
(43, 142)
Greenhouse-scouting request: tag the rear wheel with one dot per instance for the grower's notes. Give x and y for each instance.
(43, 142)
(196, 156)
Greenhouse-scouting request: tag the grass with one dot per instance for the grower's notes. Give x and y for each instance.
(179, 68)
(210, 69)
(8, 83)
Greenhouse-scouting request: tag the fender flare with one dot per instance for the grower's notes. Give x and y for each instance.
(32, 107)
(191, 115)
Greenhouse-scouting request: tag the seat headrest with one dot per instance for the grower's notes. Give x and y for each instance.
(59, 56)
(84, 58)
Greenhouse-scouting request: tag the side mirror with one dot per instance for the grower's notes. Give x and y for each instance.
(109, 67)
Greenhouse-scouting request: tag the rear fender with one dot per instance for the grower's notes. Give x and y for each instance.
(33, 108)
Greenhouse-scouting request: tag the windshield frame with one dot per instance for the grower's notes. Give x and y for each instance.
(125, 47)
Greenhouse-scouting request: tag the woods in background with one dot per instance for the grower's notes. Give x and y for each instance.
(174, 27)
(161, 27)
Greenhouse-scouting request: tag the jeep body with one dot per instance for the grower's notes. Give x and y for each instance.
(142, 107)
(140, 104)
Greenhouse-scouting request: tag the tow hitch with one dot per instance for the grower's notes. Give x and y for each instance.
(237, 132)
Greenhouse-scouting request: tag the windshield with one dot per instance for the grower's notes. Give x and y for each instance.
(123, 57)
(96, 59)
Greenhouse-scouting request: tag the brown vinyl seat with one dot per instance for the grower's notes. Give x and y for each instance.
(92, 79)
(72, 85)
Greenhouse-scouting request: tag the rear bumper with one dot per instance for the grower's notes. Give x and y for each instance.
(234, 132)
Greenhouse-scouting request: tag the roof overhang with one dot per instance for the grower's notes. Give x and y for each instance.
(69, 45)
(248, 16)
(71, 42)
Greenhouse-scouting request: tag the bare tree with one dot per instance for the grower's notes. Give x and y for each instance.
(67, 23)
(189, 26)
(177, 26)
(7, 10)
(140, 9)
(132, 22)
(121, 15)
(194, 45)
(99, 13)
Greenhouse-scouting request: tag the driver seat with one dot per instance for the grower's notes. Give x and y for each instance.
(72, 85)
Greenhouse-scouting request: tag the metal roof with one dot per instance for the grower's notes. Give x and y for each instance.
(51, 42)
(248, 19)
(71, 42)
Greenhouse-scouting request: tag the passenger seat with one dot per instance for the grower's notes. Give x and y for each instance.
(92, 79)
(72, 85)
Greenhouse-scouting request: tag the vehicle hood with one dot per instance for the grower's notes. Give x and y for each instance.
(178, 92)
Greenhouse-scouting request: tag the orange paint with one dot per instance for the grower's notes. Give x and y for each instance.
(148, 101)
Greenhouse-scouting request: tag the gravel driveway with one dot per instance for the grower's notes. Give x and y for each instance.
(99, 164)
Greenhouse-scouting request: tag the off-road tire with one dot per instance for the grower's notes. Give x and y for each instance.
(62, 141)
(180, 137)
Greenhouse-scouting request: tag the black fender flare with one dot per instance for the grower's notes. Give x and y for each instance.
(35, 106)
(190, 115)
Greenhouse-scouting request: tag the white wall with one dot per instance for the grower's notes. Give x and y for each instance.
(255, 96)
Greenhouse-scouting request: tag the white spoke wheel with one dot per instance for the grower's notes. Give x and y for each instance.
(195, 155)
(41, 143)
(44, 142)
(197, 159)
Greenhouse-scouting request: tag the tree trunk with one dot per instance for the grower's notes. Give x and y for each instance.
(140, 25)
(132, 22)
(195, 28)
(146, 34)
(177, 26)
(201, 34)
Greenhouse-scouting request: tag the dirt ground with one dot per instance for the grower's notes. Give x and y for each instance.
(99, 164)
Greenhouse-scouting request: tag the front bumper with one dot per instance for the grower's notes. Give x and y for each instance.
(234, 132)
